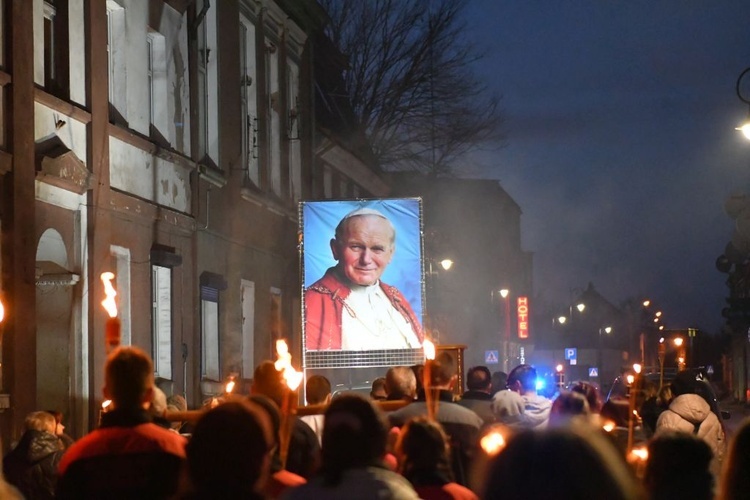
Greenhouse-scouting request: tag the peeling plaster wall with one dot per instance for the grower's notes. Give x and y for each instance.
(72, 133)
(149, 177)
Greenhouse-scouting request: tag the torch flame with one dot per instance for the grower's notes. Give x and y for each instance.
(229, 387)
(284, 364)
(429, 349)
(640, 453)
(109, 302)
(608, 426)
(2, 311)
(492, 443)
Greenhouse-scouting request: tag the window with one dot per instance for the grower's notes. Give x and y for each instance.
(150, 75)
(116, 47)
(156, 73)
(247, 294)
(275, 314)
(161, 320)
(274, 141)
(295, 155)
(249, 99)
(210, 368)
(49, 44)
(208, 116)
(122, 277)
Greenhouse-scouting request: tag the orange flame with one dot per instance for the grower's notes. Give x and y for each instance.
(229, 387)
(492, 443)
(284, 364)
(2, 311)
(109, 302)
(429, 349)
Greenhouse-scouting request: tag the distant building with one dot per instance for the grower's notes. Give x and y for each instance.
(476, 224)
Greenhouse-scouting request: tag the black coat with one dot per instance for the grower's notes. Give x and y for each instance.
(32, 465)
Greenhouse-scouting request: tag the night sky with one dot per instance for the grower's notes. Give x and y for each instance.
(620, 144)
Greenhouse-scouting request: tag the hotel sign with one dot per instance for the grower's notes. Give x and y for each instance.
(522, 312)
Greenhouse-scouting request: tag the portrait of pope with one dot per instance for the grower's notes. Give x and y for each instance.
(350, 307)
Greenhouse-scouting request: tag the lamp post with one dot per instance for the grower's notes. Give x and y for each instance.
(505, 294)
(434, 268)
(607, 330)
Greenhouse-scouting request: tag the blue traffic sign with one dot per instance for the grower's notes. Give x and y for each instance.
(571, 353)
(491, 357)
(594, 372)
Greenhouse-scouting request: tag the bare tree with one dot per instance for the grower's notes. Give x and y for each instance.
(410, 81)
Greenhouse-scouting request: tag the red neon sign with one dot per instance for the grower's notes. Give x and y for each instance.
(522, 310)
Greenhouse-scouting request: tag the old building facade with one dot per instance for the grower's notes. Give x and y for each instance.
(167, 141)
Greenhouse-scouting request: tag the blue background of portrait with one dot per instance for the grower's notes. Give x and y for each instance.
(320, 218)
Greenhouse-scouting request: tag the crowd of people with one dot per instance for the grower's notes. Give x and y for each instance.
(498, 440)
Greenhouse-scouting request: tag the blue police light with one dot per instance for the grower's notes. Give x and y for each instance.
(540, 383)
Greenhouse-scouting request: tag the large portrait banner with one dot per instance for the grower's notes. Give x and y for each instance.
(362, 282)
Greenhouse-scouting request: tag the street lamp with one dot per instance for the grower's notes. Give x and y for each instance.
(505, 294)
(607, 330)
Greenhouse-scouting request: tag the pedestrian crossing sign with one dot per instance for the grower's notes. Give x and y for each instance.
(491, 357)
(594, 372)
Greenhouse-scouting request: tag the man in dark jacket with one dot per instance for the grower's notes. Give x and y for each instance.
(32, 465)
(461, 424)
(128, 456)
(478, 397)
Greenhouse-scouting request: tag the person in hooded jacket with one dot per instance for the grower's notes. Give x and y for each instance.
(32, 465)
(522, 379)
(689, 412)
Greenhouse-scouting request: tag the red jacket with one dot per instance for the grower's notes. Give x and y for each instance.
(324, 306)
(128, 457)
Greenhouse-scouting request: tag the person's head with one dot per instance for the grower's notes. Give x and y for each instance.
(378, 391)
(442, 371)
(229, 452)
(318, 390)
(499, 381)
(129, 378)
(591, 393)
(567, 405)
(178, 401)
(735, 480)
(422, 447)
(158, 402)
(479, 378)
(364, 245)
(40, 421)
(564, 463)
(354, 436)
(508, 407)
(267, 380)
(679, 467)
(683, 383)
(665, 395)
(522, 379)
(400, 383)
(273, 413)
(59, 427)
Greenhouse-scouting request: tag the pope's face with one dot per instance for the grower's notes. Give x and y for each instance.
(365, 248)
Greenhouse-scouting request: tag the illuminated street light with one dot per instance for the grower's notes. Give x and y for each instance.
(607, 330)
(504, 292)
(646, 303)
(562, 319)
(446, 264)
